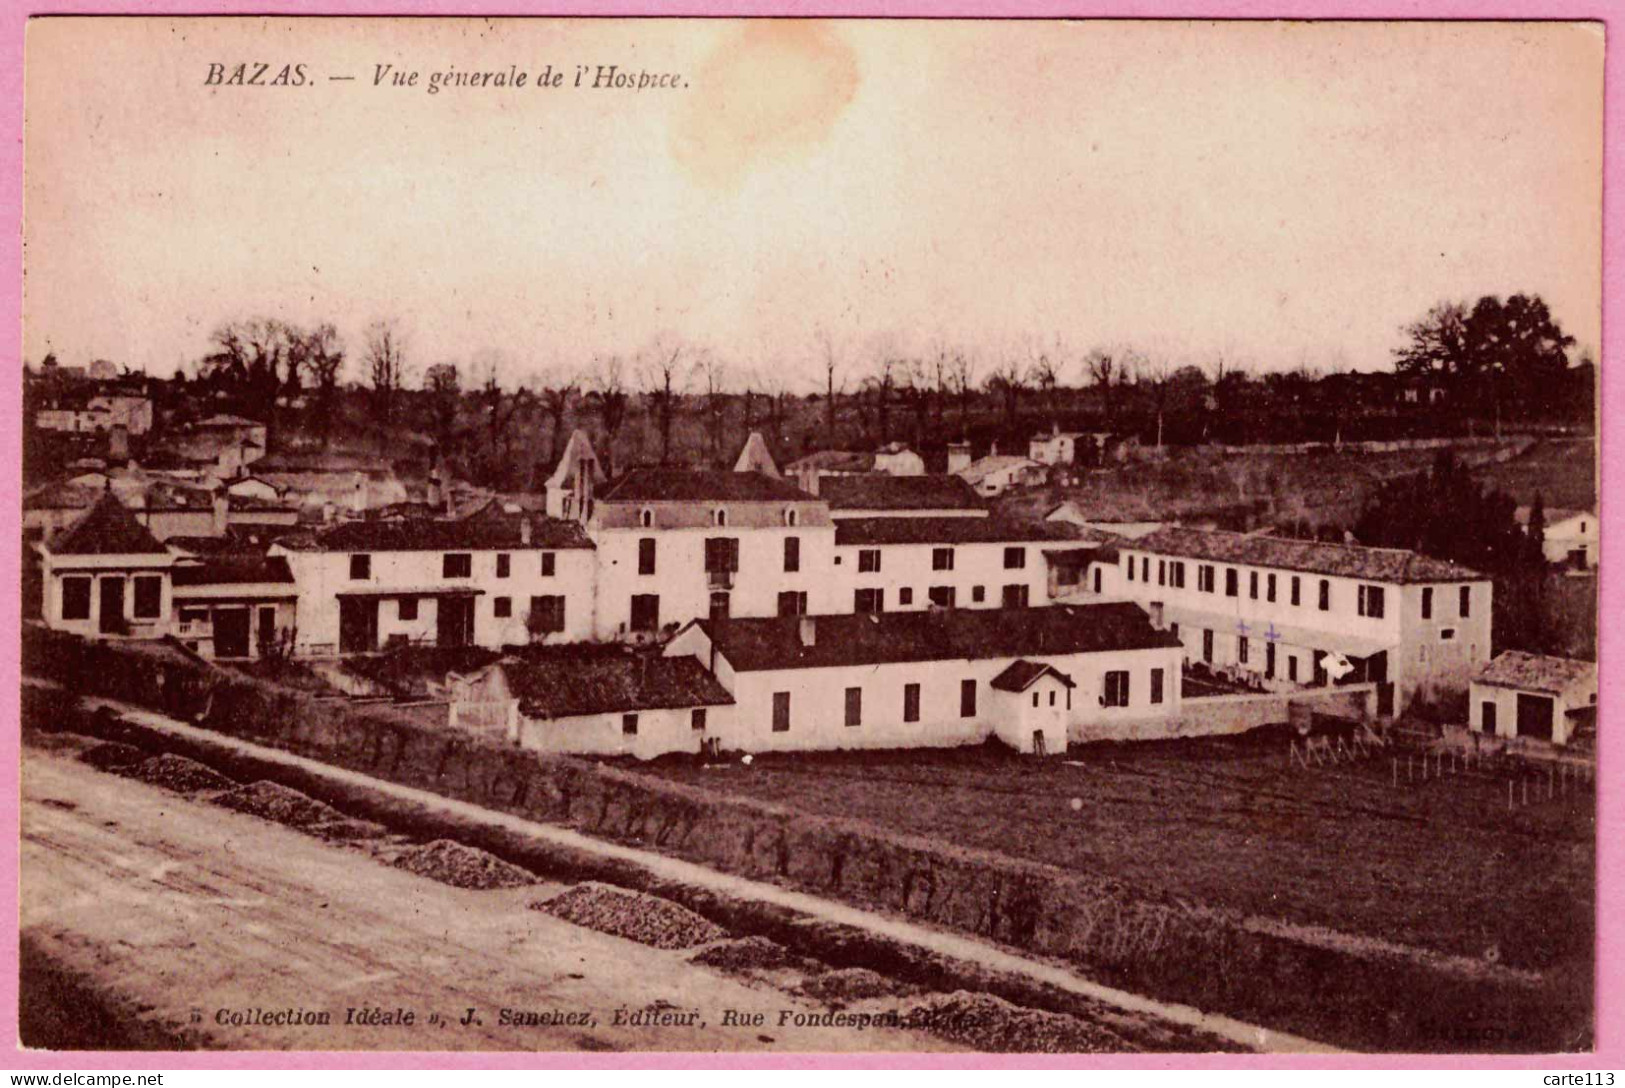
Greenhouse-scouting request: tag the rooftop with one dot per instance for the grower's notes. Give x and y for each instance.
(882, 492)
(987, 466)
(1023, 674)
(754, 645)
(1397, 565)
(107, 528)
(233, 570)
(1537, 672)
(484, 530)
(562, 687)
(700, 485)
(958, 530)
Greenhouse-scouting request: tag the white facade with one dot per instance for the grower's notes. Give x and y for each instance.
(898, 460)
(1535, 709)
(1571, 537)
(979, 575)
(79, 590)
(994, 475)
(1056, 448)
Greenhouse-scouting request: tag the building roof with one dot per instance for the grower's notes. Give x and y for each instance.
(883, 492)
(233, 570)
(700, 485)
(484, 530)
(317, 461)
(224, 420)
(1400, 565)
(956, 530)
(107, 528)
(833, 461)
(988, 466)
(1023, 674)
(1552, 514)
(754, 645)
(755, 457)
(1536, 672)
(61, 495)
(561, 687)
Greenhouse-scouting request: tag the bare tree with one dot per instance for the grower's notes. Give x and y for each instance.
(962, 376)
(256, 360)
(609, 399)
(385, 358)
(325, 361)
(1006, 381)
(500, 411)
(914, 390)
(881, 385)
(712, 375)
(1101, 368)
(555, 397)
(832, 367)
(1156, 373)
(445, 391)
(662, 379)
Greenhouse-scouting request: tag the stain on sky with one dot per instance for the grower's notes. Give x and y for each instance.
(769, 94)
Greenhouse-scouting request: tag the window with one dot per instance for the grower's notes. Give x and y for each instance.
(790, 516)
(1370, 601)
(1252, 584)
(1130, 568)
(502, 607)
(457, 565)
(720, 607)
(646, 518)
(646, 555)
(1204, 578)
(1207, 646)
(911, 702)
(1097, 579)
(868, 560)
(719, 517)
(941, 596)
(1015, 558)
(360, 567)
(1269, 588)
(1466, 601)
(1230, 581)
(149, 597)
(1173, 629)
(1015, 597)
(1446, 634)
(629, 725)
(792, 554)
(792, 603)
(905, 596)
(1035, 698)
(1156, 685)
(781, 712)
(854, 706)
(869, 600)
(1242, 644)
(1052, 697)
(76, 598)
(942, 559)
(1292, 667)
(645, 611)
(978, 594)
(1325, 595)
(1116, 688)
(1427, 602)
(1145, 569)
(1179, 574)
(407, 609)
(967, 698)
(1296, 596)
(504, 565)
(549, 564)
(1162, 572)
(1269, 660)
(546, 615)
(696, 719)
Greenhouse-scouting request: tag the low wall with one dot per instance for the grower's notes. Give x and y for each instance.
(1222, 715)
(1319, 984)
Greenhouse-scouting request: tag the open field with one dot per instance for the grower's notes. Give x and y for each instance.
(1227, 821)
(1563, 471)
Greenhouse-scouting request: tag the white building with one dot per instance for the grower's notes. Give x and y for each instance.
(877, 495)
(1074, 514)
(570, 489)
(755, 457)
(233, 606)
(1056, 448)
(1276, 609)
(994, 475)
(1571, 536)
(105, 575)
(677, 544)
(892, 564)
(896, 459)
(1535, 697)
(490, 579)
(935, 679)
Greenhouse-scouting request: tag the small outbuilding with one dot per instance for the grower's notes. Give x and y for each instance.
(1535, 697)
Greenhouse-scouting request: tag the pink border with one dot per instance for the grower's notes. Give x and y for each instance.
(1611, 856)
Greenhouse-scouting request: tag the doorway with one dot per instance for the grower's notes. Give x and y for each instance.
(112, 613)
(454, 621)
(358, 625)
(231, 632)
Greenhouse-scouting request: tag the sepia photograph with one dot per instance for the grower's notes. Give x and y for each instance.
(850, 536)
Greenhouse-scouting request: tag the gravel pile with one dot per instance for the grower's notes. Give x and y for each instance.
(177, 773)
(752, 954)
(849, 985)
(462, 866)
(112, 754)
(647, 919)
(991, 1025)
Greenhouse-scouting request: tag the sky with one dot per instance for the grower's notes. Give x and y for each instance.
(1276, 194)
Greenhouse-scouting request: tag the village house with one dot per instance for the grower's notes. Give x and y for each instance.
(331, 482)
(876, 496)
(1535, 697)
(892, 459)
(588, 700)
(1074, 514)
(575, 479)
(233, 605)
(993, 475)
(935, 679)
(755, 457)
(1296, 612)
(491, 579)
(1571, 536)
(105, 575)
(1058, 447)
(675, 544)
(891, 564)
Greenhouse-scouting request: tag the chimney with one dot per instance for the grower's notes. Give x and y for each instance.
(958, 457)
(993, 450)
(1155, 610)
(1055, 428)
(524, 530)
(221, 505)
(808, 628)
(809, 480)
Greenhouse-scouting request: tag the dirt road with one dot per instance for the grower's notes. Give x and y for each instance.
(233, 932)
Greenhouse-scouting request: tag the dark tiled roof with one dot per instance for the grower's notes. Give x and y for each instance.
(233, 570)
(955, 530)
(882, 492)
(107, 528)
(695, 485)
(752, 645)
(61, 496)
(559, 687)
(1340, 560)
(1022, 674)
(1536, 672)
(481, 531)
(833, 461)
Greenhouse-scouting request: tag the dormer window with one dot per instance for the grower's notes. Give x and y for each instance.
(646, 518)
(719, 516)
(790, 515)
